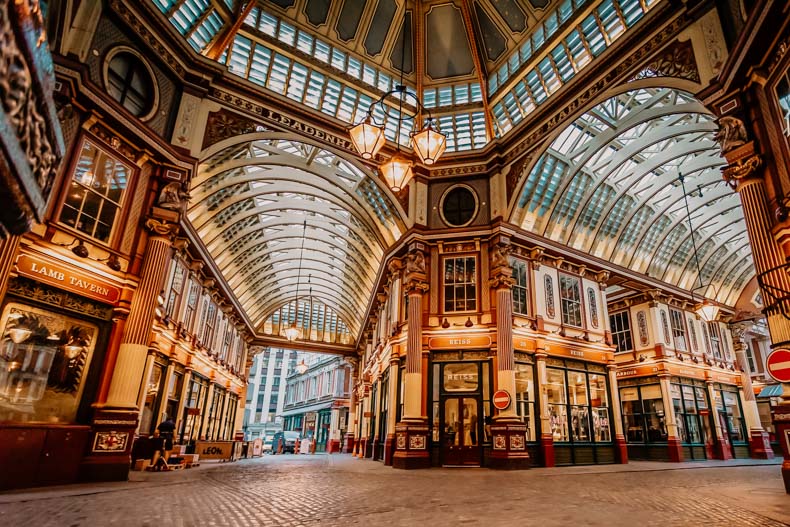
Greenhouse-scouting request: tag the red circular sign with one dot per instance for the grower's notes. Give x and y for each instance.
(501, 400)
(778, 364)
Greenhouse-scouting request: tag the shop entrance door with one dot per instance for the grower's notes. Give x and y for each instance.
(461, 431)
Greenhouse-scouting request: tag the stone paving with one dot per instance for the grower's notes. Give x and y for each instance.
(340, 490)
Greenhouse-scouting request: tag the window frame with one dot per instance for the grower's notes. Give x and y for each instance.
(149, 112)
(113, 240)
(515, 263)
(474, 283)
(679, 332)
(579, 300)
(626, 314)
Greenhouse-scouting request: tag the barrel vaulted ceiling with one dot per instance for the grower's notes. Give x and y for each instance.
(608, 185)
(480, 66)
(249, 204)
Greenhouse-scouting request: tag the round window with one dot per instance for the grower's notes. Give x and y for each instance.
(459, 206)
(130, 83)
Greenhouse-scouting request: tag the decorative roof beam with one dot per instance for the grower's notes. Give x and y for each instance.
(218, 46)
(479, 61)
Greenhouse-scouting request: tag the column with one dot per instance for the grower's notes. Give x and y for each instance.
(759, 443)
(392, 407)
(674, 441)
(508, 431)
(351, 426)
(745, 174)
(180, 420)
(333, 445)
(115, 420)
(617, 415)
(720, 443)
(546, 436)
(206, 414)
(9, 247)
(411, 434)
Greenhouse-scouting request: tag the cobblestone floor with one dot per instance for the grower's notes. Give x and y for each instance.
(340, 490)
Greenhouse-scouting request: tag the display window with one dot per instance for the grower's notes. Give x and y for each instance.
(44, 360)
(730, 414)
(525, 398)
(644, 416)
(578, 405)
(153, 394)
(193, 410)
(690, 403)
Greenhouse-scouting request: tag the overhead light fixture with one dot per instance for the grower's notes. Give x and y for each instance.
(301, 367)
(293, 332)
(80, 250)
(707, 310)
(428, 142)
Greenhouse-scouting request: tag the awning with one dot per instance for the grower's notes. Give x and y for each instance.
(772, 390)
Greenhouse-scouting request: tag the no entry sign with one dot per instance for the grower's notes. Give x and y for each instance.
(501, 400)
(778, 364)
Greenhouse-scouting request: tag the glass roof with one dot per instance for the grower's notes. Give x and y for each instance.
(334, 61)
(608, 185)
(249, 203)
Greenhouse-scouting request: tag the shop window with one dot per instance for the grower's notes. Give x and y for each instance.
(44, 359)
(570, 298)
(460, 284)
(208, 328)
(621, 331)
(525, 398)
(153, 390)
(96, 192)
(174, 390)
(191, 306)
(643, 414)
(131, 83)
(691, 410)
(730, 415)
(578, 404)
(520, 298)
(678, 330)
(195, 402)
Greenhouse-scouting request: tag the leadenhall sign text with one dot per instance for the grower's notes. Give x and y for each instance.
(54, 274)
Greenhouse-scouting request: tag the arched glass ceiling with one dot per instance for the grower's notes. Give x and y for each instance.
(248, 204)
(608, 185)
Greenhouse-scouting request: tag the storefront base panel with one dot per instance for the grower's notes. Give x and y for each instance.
(740, 451)
(33, 456)
(657, 452)
(547, 451)
(675, 449)
(411, 445)
(621, 449)
(693, 453)
(759, 445)
(584, 454)
(333, 446)
(389, 449)
(370, 447)
(110, 468)
(349, 446)
(411, 460)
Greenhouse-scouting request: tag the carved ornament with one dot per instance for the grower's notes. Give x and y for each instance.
(741, 169)
(162, 228)
(731, 134)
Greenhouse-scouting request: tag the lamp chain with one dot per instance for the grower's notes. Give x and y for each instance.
(299, 273)
(691, 231)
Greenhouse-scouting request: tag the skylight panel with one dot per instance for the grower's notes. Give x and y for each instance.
(239, 55)
(322, 51)
(267, 24)
(259, 65)
(475, 92)
(304, 42)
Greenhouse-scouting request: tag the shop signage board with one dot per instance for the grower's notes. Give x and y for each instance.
(214, 449)
(52, 273)
(778, 365)
(575, 353)
(460, 341)
(501, 400)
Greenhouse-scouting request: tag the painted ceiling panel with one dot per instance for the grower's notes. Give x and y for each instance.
(317, 11)
(379, 26)
(493, 39)
(348, 21)
(512, 14)
(449, 52)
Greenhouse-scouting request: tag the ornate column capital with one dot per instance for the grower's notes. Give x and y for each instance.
(741, 169)
(162, 227)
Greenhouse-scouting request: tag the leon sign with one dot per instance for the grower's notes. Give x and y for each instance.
(778, 364)
(51, 273)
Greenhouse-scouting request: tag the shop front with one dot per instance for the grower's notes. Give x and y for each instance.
(580, 416)
(55, 325)
(644, 419)
(731, 421)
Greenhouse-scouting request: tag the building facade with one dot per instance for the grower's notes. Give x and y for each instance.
(266, 392)
(317, 402)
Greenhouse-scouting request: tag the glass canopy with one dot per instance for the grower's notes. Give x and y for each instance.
(248, 204)
(608, 185)
(480, 79)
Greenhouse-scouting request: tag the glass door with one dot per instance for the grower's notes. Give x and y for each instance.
(461, 431)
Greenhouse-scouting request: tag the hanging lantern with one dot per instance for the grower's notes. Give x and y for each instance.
(429, 144)
(396, 172)
(367, 138)
(292, 332)
(707, 310)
